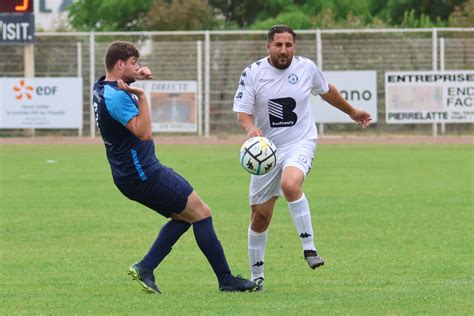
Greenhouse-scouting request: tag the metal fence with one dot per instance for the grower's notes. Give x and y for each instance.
(215, 60)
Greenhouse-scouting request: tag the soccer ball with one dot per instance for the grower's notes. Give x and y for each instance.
(258, 156)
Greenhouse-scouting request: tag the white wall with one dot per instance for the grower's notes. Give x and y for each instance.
(50, 14)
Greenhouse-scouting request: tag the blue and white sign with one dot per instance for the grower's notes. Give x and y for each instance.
(41, 102)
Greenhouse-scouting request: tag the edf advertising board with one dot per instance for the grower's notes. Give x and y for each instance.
(41, 102)
(359, 88)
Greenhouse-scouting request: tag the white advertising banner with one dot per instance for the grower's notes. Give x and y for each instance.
(41, 102)
(429, 97)
(173, 105)
(357, 87)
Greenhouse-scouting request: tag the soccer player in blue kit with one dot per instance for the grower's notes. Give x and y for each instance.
(123, 117)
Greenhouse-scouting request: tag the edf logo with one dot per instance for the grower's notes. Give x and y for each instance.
(46, 90)
(25, 90)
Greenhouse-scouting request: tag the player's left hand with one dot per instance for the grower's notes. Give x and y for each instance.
(362, 118)
(139, 92)
(144, 73)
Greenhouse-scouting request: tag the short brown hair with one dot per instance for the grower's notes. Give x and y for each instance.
(119, 50)
(280, 28)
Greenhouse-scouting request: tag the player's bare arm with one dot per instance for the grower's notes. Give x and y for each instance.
(246, 123)
(139, 125)
(334, 98)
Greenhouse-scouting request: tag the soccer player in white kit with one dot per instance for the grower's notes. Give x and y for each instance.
(273, 100)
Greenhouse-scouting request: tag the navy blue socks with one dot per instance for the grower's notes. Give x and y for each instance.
(206, 239)
(167, 237)
(211, 247)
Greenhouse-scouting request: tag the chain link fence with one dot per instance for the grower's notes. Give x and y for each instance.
(215, 59)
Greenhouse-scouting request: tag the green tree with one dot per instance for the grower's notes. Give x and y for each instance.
(110, 15)
(245, 13)
(463, 15)
(400, 11)
(126, 15)
(340, 9)
(410, 20)
(137, 15)
(317, 14)
(239, 12)
(296, 19)
(180, 15)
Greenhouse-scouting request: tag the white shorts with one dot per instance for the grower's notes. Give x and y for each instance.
(299, 155)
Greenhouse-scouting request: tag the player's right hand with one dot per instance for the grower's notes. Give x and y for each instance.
(362, 118)
(144, 73)
(254, 132)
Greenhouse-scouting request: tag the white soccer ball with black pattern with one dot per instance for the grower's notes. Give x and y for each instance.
(258, 155)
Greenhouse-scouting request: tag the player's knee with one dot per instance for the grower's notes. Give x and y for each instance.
(291, 190)
(205, 210)
(196, 209)
(197, 214)
(202, 209)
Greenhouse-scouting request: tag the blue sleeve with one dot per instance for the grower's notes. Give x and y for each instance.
(120, 105)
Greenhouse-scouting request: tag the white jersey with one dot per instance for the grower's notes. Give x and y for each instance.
(279, 99)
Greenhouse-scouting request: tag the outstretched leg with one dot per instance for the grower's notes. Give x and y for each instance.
(143, 270)
(168, 236)
(291, 183)
(199, 214)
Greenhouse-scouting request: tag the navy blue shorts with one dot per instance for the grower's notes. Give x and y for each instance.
(165, 191)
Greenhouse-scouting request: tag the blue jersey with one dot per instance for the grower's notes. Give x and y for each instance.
(130, 158)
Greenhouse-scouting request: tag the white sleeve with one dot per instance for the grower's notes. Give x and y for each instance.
(244, 100)
(320, 85)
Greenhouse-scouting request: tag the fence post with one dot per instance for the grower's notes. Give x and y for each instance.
(319, 60)
(29, 67)
(435, 130)
(199, 85)
(435, 67)
(92, 79)
(319, 49)
(441, 67)
(79, 75)
(207, 86)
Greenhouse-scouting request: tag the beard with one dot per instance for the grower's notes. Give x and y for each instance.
(281, 62)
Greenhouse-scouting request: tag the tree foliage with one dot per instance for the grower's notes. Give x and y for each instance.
(432, 10)
(180, 15)
(463, 15)
(110, 15)
(125, 15)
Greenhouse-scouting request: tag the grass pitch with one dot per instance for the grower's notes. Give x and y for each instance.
(394, 223)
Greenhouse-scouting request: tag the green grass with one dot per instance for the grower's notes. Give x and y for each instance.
(394, 223)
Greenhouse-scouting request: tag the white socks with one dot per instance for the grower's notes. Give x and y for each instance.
(257, 244)
(299, 211)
